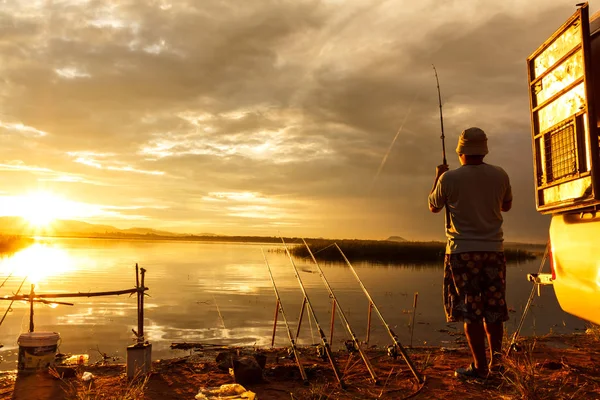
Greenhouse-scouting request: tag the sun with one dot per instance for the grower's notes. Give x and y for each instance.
(40, 209)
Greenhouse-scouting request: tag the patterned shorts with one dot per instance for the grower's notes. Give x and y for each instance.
(475, 287)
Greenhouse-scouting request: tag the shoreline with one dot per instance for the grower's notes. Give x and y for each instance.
(549, 367)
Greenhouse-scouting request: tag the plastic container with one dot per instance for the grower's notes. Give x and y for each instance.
(37, 350)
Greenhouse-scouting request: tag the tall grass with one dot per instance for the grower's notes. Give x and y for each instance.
(388, 252)
(10, 244)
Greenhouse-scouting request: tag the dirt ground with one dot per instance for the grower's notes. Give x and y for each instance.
(550, 367)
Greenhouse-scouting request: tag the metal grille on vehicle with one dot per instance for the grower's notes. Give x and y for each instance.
(560, 152)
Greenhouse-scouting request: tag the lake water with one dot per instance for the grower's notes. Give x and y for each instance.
(221, 293)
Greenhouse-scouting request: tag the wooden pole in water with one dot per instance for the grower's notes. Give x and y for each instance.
(412, 324)
(137, 286)
(332, 321)
(78, 294)
(300, 317)
(141, 317)
(369, 322)
(31, 293)
(275, 321)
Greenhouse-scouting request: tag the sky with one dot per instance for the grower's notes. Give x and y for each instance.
(268, 117)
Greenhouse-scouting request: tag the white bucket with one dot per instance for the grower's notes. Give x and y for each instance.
(37, 350)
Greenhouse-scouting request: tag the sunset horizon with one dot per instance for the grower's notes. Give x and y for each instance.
(302, 119)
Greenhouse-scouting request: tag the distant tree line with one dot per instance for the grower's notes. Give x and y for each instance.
(10, 244)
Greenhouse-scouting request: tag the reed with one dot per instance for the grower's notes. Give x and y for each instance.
(389, 252)
(10, 244)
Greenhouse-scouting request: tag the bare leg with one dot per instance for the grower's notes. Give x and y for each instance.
(475, 333)
(495, 332)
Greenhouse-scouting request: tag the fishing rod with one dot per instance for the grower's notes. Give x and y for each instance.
(7, 278)
(444, 162)
(289, 332)
(441, 114)
(306, 302)
(13, 300)
(344, 319)
(394, 337)
(513, 343)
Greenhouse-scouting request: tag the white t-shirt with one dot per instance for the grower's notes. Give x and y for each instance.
(473, 195)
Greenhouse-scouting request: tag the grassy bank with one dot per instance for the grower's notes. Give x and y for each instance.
(388, 252)
(10, 244)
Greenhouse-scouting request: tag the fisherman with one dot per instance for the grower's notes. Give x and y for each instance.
(474, 264)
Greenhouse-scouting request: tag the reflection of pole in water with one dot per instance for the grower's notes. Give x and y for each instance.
(387, 153)
(219, 312)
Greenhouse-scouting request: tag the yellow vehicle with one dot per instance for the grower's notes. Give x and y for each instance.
(564, 94)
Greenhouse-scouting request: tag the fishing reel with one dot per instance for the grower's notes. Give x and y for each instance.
(290, 353)
(392, 351)
(515, 347)
(321, 352)
(350, 346)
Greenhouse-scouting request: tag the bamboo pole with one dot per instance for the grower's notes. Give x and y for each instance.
(35, 300)
(332, 321)
(137, 297)
(412, 324)
(275, 321)
(31, 293)
(78, 294)
(300, 317)
(141, 309)
(369, 322)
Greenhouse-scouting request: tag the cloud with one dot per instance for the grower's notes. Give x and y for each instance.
(294, 102)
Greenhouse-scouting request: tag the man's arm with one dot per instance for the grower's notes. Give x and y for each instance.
(508, 199)
(439, 171)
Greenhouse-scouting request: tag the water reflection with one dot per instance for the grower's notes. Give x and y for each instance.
(38, 262)
(220, 293)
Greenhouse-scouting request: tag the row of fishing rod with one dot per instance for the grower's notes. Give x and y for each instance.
(325, 349)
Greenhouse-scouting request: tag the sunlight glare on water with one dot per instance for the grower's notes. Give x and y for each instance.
(38, 262)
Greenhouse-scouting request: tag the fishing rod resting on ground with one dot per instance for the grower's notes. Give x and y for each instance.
(279, 308)
(393, 336)
(344, 319)
(513, 343)
(306, 302)
(448, 224)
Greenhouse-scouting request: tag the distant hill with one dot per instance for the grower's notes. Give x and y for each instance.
(20, 226)
(396, 239)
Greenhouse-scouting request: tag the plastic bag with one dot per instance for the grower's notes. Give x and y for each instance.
(87, 376)
(229, 391)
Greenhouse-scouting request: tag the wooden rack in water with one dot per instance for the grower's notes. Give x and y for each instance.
(46, 298)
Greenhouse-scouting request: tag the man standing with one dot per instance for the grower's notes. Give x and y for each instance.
(474, 264)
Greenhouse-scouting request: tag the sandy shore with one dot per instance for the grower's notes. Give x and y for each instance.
(549, 367)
